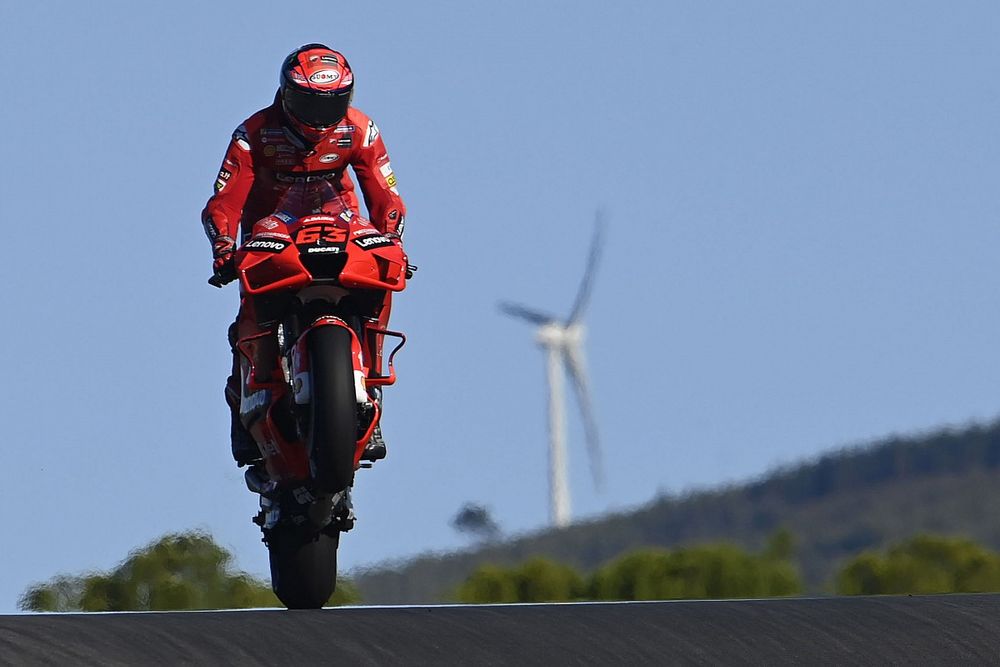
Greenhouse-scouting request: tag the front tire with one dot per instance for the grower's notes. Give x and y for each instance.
(333, 420)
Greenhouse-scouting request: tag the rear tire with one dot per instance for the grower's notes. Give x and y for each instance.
(333, 420)
(303, 566)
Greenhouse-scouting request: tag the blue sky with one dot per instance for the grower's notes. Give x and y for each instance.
(801, 251)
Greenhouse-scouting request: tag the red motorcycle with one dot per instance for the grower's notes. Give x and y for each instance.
(316, 281)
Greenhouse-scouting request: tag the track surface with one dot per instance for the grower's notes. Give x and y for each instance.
(890, 630)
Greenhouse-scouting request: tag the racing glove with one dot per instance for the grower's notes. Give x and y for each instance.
(222, 253)
(395, 238)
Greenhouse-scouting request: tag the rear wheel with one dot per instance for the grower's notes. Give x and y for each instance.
(303, 566)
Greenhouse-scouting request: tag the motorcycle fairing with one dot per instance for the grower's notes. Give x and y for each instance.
(271, 259)
(284, 455)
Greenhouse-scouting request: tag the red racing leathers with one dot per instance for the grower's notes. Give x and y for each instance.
(265, 156)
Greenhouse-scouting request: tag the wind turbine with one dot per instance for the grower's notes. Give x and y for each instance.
(562, 341)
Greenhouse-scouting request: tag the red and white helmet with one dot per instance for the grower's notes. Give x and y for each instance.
(316, 86)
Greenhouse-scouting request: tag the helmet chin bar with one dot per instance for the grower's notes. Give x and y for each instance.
(315, 110)
(301, 127)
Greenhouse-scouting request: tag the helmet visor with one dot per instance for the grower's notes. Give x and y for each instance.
(316, 110)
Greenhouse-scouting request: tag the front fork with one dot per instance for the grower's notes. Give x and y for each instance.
(302, 505)
(263, 353)
(297, 367)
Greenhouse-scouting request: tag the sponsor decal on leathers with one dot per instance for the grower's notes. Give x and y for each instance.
(371, 135)
(390, 178)
(211, 231)
(291, 177)
(223, 178)
(240, 137)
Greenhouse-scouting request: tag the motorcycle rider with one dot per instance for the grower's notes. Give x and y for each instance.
(309, 131)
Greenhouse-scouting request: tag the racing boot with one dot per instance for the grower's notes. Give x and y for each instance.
(245, 450)
(375, 450)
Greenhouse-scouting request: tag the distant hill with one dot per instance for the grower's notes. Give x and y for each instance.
(945, 482)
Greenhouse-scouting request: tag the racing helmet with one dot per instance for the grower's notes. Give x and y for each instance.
(315, 86)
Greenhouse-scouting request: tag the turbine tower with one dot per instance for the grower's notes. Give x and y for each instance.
(562, 341)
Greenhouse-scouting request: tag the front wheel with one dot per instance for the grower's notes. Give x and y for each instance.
(333, 418)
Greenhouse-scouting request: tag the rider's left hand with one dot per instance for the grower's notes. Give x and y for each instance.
(395, 238)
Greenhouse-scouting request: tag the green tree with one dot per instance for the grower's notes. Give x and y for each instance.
(537, 580)
(924, 564)
(178, 571)
(710, 571)
(702, 572)
(489, 584)
(780, 546)
(543, 580)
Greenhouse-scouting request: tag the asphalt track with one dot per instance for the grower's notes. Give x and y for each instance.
(938, 630)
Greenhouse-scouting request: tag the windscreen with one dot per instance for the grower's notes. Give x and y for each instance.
(311, 197)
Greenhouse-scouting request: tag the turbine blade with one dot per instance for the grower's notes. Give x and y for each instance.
(525, 313)
(596, 245)
(578, 374)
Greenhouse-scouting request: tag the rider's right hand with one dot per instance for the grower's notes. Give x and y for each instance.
(221, 262)
(223, 266)
(225, 274)
(222, 251)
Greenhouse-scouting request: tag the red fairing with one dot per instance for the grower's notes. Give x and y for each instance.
(265, 156)
(270, 260)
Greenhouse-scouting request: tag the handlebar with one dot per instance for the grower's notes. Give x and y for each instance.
(223, 276)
